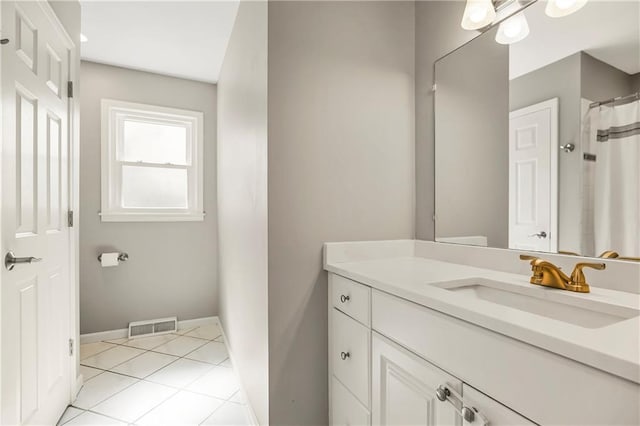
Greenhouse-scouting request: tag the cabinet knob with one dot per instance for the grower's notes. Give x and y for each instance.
(442, 393)
(469, 414)
(344, 355)
(344, 299)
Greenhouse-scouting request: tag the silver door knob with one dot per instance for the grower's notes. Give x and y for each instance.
(568, 147)
(345, 355)
(10, 260)
(344, 299)
(540, 234)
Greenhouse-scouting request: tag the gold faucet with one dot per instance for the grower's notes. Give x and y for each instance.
(547, 274)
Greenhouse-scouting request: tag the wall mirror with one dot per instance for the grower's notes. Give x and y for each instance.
(538, 141)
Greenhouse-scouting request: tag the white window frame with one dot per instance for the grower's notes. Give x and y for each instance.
(114, 113)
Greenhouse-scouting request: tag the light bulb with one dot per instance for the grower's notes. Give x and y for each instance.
(478, 14)
(512, 30)
(565, 4)
(560, 8)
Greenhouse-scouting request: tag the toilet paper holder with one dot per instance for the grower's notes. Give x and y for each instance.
(122, 257)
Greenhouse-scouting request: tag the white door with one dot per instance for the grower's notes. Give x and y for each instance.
(35, 198)
(404, 388)
(533, 177)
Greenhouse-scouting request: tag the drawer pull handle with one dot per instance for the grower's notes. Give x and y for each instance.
(344, 355)
(469, 414)
(344, 299)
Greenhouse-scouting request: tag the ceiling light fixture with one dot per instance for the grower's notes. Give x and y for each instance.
(478, 14)
(560, 8)
(83, 38)
(513, 29)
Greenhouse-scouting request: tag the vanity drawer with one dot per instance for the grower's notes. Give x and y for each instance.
(350, 356)
(352, 298)
(345, 408)
(496, 413)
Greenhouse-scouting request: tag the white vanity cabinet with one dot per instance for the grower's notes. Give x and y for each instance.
(401, 353)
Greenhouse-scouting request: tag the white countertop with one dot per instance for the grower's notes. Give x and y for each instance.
(613, 348)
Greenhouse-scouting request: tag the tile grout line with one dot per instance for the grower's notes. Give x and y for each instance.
(173, 388)
(152, 350)
(138, 380)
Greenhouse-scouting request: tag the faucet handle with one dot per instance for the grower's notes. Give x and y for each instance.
(577, 276)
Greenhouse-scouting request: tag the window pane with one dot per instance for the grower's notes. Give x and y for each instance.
(151, 187)
(154, 143)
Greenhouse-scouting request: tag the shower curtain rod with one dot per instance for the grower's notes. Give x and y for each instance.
(628, 98)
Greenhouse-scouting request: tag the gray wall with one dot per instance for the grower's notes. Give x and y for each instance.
(561, 80)
(472, 133)
(438, 31)
(341, 167)
(242, 201)
(172, 266)
(600, 81)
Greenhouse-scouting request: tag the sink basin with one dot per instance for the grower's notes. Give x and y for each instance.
(547, 302)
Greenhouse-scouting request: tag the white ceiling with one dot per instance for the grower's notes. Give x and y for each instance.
(185, 39)
(607, 30)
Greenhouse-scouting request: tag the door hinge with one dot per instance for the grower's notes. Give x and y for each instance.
(70, 89)
(434, 87)
(71, 347)
(70, 218)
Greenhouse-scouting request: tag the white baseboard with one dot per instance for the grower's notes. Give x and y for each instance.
(252, 414)
(124, 332)
(197, 322)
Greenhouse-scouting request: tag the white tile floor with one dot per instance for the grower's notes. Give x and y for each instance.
(185, 378)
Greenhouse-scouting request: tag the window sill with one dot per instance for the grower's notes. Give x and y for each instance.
(151, 217)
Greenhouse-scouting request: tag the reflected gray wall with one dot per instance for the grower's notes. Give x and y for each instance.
(172, 266)
(559, 80)
(635, 83)
(437, 33)
(472, 123)
(600, 81)
(242, 202)
(341, 168)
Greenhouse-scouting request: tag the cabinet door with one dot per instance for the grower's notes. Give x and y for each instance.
(404, 388)
(495, 413)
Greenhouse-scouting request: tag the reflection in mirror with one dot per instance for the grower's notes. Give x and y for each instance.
(538, 141)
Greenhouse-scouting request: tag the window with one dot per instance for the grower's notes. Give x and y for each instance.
(151, 163)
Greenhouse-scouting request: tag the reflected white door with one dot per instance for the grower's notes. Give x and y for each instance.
(533, 177)
(35, 198)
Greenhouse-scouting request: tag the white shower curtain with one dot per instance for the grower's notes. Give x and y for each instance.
(615, 139)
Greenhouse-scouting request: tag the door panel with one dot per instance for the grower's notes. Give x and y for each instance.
(27, 157)
(36, 382)
(533, 135)
(54, 187)
(28, 327)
